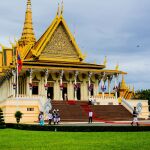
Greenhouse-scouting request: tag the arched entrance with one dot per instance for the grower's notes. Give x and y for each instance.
(51, 89)
(65, 90)
(35, 88)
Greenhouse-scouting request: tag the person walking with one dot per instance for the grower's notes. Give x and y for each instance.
(54, 116)
(57, 117)
(90, 116)
(135, 117)
(50, 117)
(41, 119)
(49, 96)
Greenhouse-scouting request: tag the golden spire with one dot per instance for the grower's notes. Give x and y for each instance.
(105, 61)
(58, 10)
(62, 8)
(117, 67)
(28, 32)
(123, 84)
(2, 46)
(133, 90)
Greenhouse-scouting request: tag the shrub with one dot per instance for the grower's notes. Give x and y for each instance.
(1, 117)
(18, 116)
(62, 128)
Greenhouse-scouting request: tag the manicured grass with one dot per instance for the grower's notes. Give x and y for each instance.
(39, 140)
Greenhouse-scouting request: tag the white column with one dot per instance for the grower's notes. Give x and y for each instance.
(14, 83)
(30, 81)
(56, 89)
(89, 78)
(45, 86)
(103, 93)
(70, 90)
(61, 83)
(96, 88)
(116, 86)
(109, 86)
(75, 82)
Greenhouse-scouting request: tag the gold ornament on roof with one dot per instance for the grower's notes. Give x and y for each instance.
(117, 67)
(105, 61)
(123, 84)
(62, 8)
(58, 10)
(28, 31)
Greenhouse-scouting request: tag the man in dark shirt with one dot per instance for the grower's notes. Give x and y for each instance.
(48, 96)
(135, 119)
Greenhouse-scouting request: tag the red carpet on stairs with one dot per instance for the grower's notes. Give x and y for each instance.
(87, 109)
(71, 102)
(77, 111)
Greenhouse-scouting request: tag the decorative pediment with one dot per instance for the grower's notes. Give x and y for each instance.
(57, 44)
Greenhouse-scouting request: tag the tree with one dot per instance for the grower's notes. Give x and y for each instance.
(143, 95)
(1, 118)
(18, 116)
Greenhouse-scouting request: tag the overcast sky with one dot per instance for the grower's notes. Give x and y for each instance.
(118, 29)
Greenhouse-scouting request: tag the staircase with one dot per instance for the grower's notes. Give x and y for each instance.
(77, 111)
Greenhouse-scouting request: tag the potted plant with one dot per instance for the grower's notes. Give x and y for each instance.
(18, 116)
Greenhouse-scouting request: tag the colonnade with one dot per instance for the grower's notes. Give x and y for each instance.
(8, 88)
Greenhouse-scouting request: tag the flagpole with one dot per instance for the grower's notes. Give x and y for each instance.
(17, 82)
(17, 94)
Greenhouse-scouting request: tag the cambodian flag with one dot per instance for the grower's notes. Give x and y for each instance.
(19, 62)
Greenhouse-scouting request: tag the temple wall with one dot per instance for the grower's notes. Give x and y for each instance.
(10, 106)
(145, 107)
(9, 56)
(1, 61)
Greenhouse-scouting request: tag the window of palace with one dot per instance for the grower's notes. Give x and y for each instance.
(35, 88)
(65, 90)
(30, 109)
(50, 89)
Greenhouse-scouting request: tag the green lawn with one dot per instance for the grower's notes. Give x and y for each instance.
(36, 140)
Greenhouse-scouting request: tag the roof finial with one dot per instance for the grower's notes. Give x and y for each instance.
(62, 7)
(117, 67)
(28, 32)
(123, 83)
(58, 10)
(2, 46)
(29, 4)
(133, 90)
(105, 61)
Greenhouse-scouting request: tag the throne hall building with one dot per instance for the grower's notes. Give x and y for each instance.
(55, 64)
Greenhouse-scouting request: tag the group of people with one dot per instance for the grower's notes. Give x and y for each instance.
(53, 116)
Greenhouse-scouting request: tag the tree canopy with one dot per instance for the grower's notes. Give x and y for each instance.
(143, 94)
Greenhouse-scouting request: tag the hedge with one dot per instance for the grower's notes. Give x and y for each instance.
(62, 128)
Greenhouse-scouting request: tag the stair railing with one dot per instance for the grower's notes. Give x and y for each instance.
(127, 105)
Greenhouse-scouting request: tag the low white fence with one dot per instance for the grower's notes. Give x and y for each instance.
(106, 101)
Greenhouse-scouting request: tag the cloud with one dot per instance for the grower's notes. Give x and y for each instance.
(117, 29)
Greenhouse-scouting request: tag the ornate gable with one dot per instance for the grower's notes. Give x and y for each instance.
(60, 46)
(56, 44)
